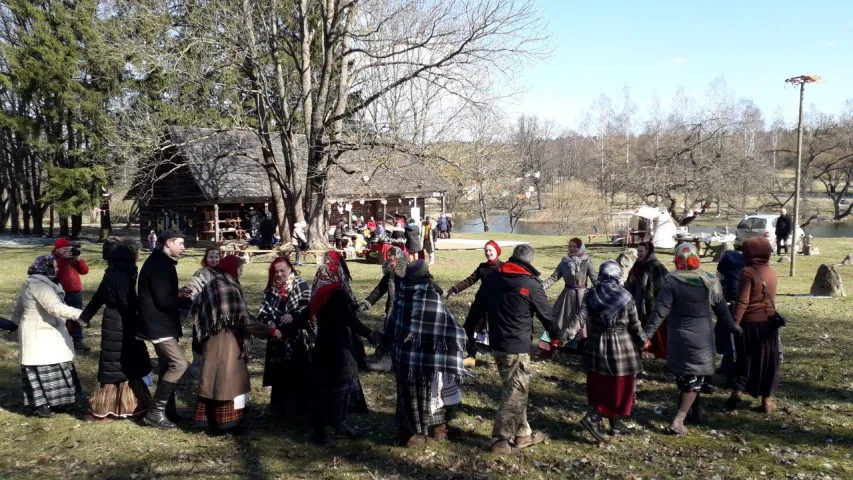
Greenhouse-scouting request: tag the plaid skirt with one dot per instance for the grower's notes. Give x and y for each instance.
(120, 400)
(219, 414)
(51, 385)
(413, 406)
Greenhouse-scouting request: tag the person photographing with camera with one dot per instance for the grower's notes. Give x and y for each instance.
(69, 267)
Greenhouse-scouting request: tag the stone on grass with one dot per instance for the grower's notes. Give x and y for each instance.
(783, 260)
(827, 282)
(626, 260)
(848, 260)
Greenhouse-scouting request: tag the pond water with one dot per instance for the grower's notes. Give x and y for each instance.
(464, 223)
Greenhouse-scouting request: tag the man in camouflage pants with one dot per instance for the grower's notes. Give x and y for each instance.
(512, 296)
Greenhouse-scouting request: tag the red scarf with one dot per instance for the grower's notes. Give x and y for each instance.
(327, 279)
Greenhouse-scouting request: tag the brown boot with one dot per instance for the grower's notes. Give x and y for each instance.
(438, 432)
(503, 448)
(768, 405)
(405, 438)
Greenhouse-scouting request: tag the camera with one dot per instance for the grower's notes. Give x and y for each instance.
(75, 250)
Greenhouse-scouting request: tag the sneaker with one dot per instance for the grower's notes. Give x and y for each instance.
(383, 365)
(80, 346)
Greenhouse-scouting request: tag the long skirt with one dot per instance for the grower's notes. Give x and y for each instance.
(565, 308)
(289, 396)
(220, 415)
(52, 385)
(758, 365)
(332, 402)
(612, 396)
(413, 406)
(120, 400)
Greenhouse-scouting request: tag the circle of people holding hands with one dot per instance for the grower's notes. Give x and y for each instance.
(313, 337)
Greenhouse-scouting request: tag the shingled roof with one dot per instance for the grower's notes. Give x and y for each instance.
(226, 164)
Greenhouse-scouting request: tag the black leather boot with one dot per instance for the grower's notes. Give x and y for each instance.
(156, 416)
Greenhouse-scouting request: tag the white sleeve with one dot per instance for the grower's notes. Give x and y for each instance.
(51, 302)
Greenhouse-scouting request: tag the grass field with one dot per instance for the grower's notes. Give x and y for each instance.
(809, 437)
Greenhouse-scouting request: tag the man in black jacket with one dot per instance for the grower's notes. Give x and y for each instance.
(160, 323)
(511, 297)
(783, 231)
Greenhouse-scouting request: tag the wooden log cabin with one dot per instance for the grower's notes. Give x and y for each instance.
(211, 185)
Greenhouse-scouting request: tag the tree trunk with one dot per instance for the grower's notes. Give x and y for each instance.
(484, 213)
(52, 220)
(38, 219)
(15, 212)
(76, 225)
(26, 211)
(63, 226)
(106, 221)
(131, 215)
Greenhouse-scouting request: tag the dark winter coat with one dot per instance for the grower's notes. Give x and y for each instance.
(783, 226)
(479, 274)
(122, 357)
(336, 321)
(159, 304)
(511, 297)
(414, 243)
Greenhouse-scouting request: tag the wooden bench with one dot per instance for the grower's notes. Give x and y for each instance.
(304, 253)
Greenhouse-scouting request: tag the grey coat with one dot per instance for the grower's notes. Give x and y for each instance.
(690, 346)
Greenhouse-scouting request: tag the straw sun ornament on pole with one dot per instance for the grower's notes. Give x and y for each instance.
(800, 81)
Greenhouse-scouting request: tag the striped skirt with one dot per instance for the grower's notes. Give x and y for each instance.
(52, 385)
(120, 400)
(413, 406)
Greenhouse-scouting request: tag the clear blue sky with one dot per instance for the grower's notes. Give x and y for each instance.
(656, 46)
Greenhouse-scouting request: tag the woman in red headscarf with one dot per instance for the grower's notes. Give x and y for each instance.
(287, 366)
(220, 326)
(492, 251)
(334, 366)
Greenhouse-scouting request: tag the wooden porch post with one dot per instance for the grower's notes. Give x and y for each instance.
(442, 202)
(216, 222)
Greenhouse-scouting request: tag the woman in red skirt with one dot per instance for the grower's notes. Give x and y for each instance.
(612, 360)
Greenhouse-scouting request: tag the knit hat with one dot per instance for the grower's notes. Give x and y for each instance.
(417, 269)
(61, 243)
(495, 245)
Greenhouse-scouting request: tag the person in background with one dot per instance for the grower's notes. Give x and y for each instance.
(267, 232)
(612, 351)
(109, 243)
(123, 362)
(46, 354)
(69, 268)
(160, 324)
(371, 225)
(493, 263)
(414, 243)
(645, 279)
(757, 369)
(299, 241)
(152, 241)
(442, 226)
(784, 227)
(427, 346)
(335, 370)
(449, 226)
(511, 297)
(287, 366)
(430, 238)
(576, 269)
(339, 234)
(221, 327)
(687, 298)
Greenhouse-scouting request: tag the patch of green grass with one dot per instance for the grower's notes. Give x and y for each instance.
(810, 437)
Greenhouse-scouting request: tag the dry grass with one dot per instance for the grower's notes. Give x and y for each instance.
(810, 437)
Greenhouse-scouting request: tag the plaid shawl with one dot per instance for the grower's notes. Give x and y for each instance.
(648, 275)
(427, 340)
(274, 306)
(608, 297)
(219, 305)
